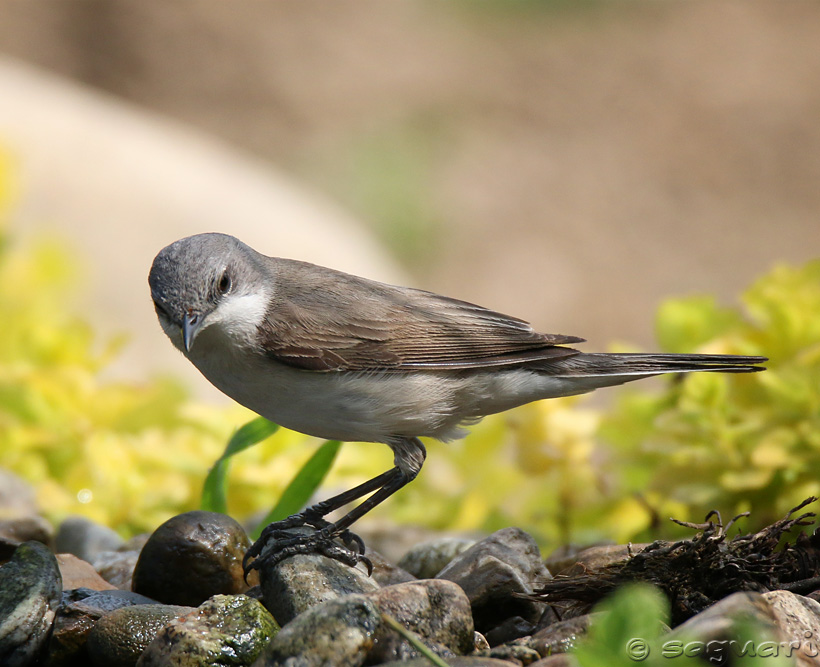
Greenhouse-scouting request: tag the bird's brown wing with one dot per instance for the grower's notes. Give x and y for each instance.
(325, 320)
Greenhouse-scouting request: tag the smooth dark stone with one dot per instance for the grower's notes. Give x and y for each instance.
(191, 557)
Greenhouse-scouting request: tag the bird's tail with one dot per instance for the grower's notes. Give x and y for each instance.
(586, 371)
(602, 363)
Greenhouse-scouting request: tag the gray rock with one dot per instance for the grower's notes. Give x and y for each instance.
(437, 611)
(386, 573)
(117, 567)
(30, 588)
(84, 538)
(426, 560)
(559, 637)
(303, 581)
(27, 529)
(506, 562)
(771, 624)
(135, 543)
(120, 637)
(226, 630)
(191, 557)
(712, 631)
(798, 620)
(339, 632)
(79, 610)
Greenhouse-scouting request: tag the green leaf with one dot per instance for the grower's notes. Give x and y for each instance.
(625, 629)
(215, 489)
(303, 485)
(684, 324)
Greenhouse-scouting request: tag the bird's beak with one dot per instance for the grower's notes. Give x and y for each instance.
(190, 327)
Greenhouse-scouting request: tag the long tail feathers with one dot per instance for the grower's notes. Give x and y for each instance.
(591, 364)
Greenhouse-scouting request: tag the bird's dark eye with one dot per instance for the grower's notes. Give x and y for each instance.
(224, 283)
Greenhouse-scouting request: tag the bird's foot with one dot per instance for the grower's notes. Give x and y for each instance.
(279, 541)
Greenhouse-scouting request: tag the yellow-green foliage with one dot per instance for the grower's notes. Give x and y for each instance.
(732, 443)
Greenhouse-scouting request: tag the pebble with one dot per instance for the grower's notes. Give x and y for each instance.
(117, 567)
(225, 630)
(386, 573)
(559, 637)
(120, 637)
(79, 610)
(490, 571)
(77, 573)
(339, 632)
(303, 581)
(426, 560)
(191, 557)
(85, 539)
(437, 611)
(27, 529)
(30, 589)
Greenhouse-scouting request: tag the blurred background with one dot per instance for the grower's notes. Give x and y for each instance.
(570, 162)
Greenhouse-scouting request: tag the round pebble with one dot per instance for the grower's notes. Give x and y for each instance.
(191, 557)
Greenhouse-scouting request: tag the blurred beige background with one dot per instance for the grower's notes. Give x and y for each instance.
(572, 163)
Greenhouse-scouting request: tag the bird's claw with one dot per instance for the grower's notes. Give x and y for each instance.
(278, 542)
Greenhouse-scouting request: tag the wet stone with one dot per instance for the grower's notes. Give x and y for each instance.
(559, 637)
(339, 632)
(437, 611)
(85, 539)
(30, 589)
(506, 562)
(426, 560)
(120, 637)
(191, 557)
(305, 580)
(225, 630)
(79, 610)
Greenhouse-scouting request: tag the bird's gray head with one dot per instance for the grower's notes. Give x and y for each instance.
(206, 280)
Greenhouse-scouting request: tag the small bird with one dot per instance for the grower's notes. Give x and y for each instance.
(345, 358)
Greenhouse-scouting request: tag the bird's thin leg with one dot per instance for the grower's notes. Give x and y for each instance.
(276, 543)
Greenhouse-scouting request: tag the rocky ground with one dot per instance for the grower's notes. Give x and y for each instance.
(80, 595)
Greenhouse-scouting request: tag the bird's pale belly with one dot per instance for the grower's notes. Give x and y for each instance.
(372, 407)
